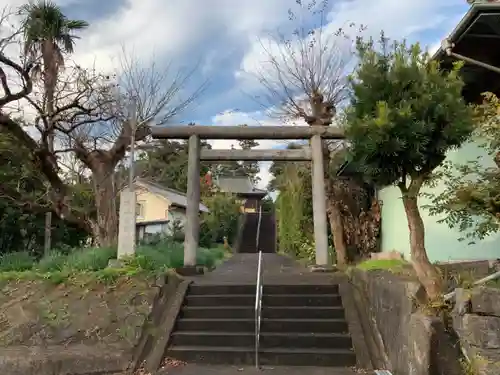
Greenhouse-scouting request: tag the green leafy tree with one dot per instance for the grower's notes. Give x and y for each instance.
(294, 216)
(292, 182)
(221, 221)
(21, 224)
(470, 200)
(48, 36)
(277, 170)
(92, 115)
(250, 168)
(405, 114)
(167, 164)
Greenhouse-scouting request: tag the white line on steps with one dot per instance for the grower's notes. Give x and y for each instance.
(383, 372)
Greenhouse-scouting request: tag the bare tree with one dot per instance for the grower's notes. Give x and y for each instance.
(306, 72)
(90, 122)
(101, 145)
(305, 77)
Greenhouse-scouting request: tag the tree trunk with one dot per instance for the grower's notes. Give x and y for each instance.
(426, 272)
(360, 215)
(105, 227)
(49, 86)
(335, 219)
(47, 243)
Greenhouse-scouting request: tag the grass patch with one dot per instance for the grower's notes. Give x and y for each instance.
(19, 261)
(493, 283)
(392, 265)
(82, 265)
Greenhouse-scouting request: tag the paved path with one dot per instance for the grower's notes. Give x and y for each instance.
(192, 369)
(277, 269)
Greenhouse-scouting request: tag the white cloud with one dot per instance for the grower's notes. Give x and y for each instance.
(398, 19)
(166, 27)
(257, 118)
(169, 27)
(230, 118)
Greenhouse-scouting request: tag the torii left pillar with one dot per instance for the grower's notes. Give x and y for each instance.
(192, 227)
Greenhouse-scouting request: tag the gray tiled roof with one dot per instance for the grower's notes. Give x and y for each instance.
(237, 185)
(176, 197)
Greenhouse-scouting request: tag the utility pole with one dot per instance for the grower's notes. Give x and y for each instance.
(128, 199)
(133, 125)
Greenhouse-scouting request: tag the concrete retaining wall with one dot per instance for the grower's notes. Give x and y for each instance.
(410, 342)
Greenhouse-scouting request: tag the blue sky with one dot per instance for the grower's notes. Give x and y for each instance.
(223, 37)
(219, 34)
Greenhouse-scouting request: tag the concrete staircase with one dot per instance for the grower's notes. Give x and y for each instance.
(303, 325)
(246, 241)
(267, 235)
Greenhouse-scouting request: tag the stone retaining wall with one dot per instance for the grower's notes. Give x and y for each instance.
(476, 319)
(413, 343)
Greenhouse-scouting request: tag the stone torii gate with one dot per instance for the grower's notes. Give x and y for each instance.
(313, 153)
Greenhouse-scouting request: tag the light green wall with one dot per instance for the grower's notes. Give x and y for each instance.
(441, 242)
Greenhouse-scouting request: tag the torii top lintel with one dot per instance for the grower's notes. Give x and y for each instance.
(245, 132)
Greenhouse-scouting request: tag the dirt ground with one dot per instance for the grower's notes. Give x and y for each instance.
(41, 314)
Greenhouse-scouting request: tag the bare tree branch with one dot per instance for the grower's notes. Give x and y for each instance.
(305, 76)
(89, 122)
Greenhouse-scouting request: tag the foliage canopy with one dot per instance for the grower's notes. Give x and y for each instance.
(405, 113)
(470, 200)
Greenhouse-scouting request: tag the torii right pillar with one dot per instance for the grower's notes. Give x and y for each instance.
(319, 202)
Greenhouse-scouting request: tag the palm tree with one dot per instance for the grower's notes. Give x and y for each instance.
(48, 36)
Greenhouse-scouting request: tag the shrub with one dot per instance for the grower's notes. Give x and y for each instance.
(92, 259)
(17, 261)
(55, 261)
(153, 257)
(158, 257)
(170, 254)
(210, 257)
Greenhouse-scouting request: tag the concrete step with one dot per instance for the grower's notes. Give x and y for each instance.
(273, 300)
(267, 339)
(289, 300)
(301, 289)
(248, 240)
(267, 325)
(197, 289)
(248, 312)
(303, 312)
(267, 235)
(207, 369)
(272, 356)
(217, 312)
(210, 300)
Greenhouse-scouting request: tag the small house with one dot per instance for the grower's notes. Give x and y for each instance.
(159, 208)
